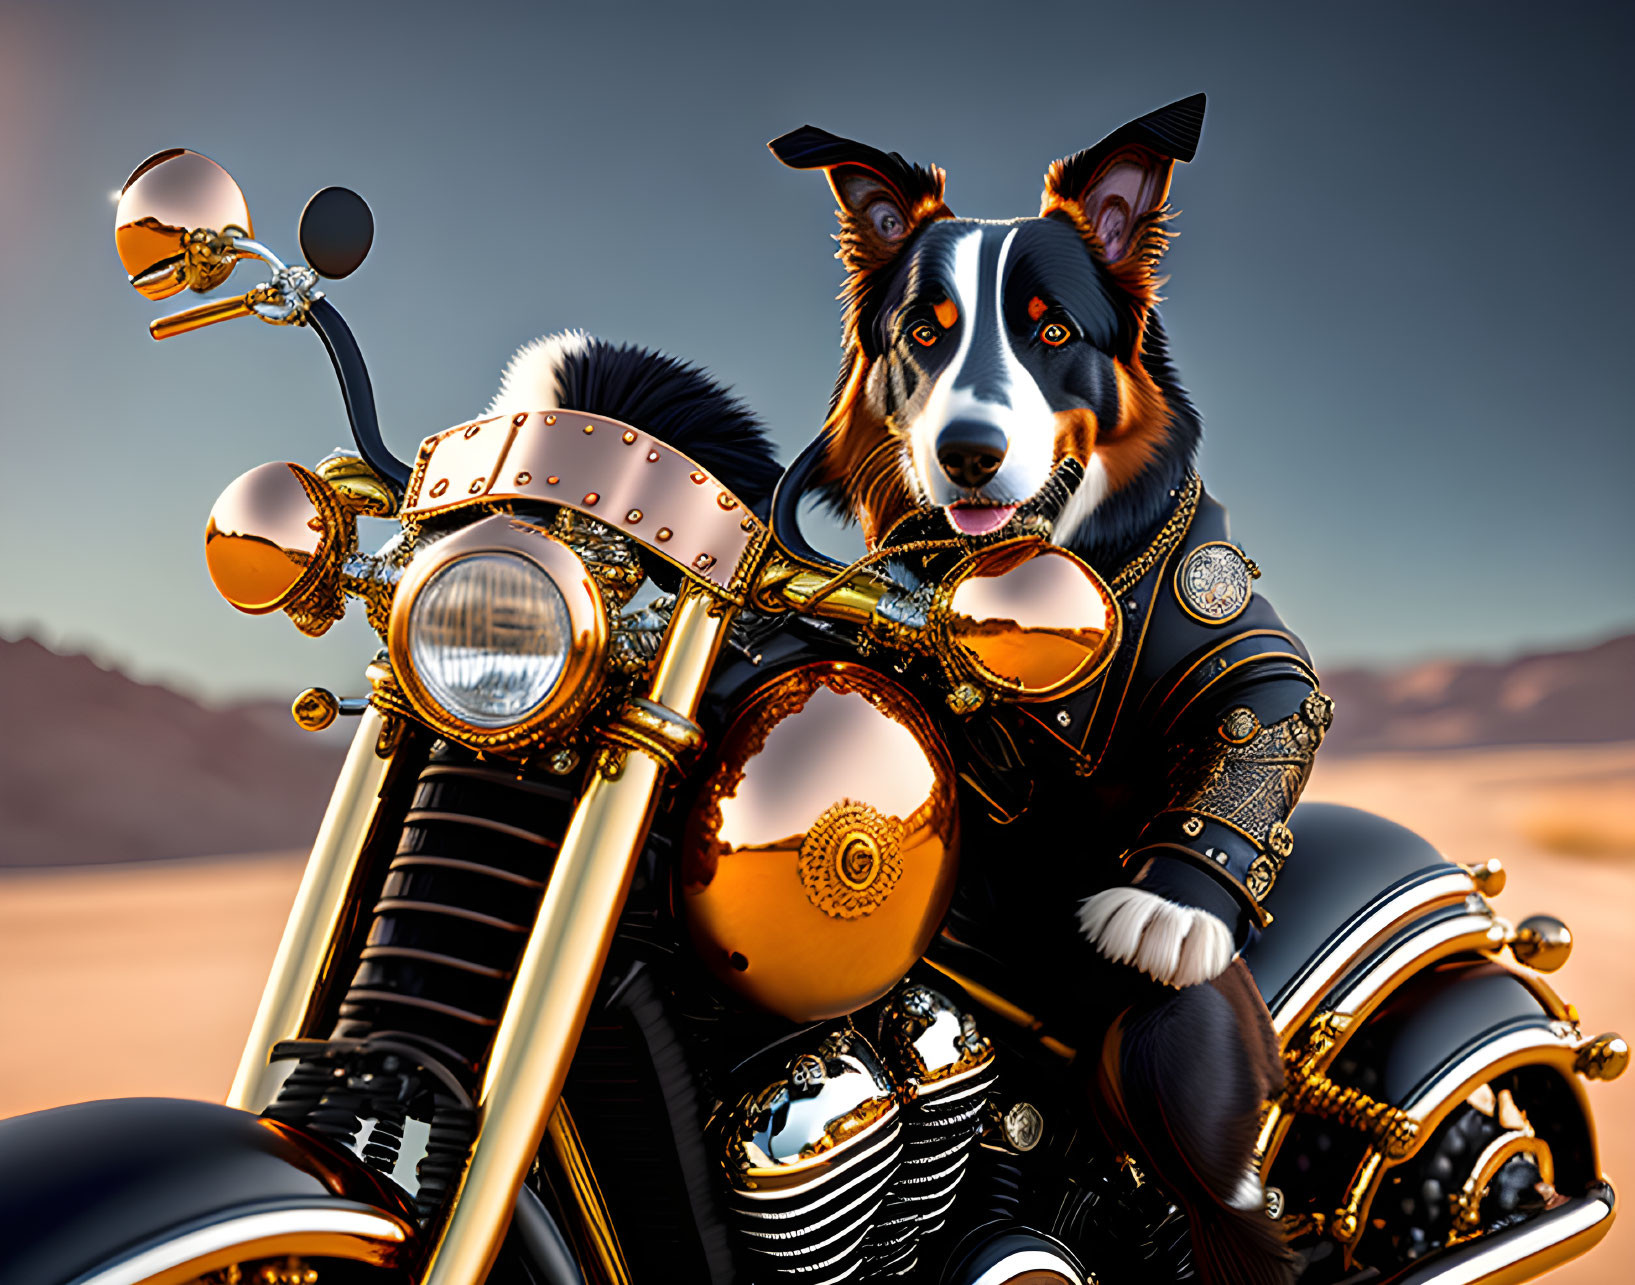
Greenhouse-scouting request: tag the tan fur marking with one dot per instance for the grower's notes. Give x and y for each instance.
(1076, 432)
(862, 456)
(1143, 417)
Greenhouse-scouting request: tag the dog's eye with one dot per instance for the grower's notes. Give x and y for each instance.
(1055, 334)
(925, 334)
(887, 221)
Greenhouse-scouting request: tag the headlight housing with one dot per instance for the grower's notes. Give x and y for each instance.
(498, 635)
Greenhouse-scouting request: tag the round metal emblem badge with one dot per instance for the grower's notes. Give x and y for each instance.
(851, 860)
(1213, 583)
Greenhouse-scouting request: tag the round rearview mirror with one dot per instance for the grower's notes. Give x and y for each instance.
(274, 535)
(172, 196)
(1027, 620)
(336, 232)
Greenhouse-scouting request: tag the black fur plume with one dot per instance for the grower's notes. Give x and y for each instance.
(679, 404)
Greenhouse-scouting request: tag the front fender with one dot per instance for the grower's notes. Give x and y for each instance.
(150, 1191)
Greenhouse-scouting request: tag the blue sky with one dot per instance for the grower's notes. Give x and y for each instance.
(1399, 296)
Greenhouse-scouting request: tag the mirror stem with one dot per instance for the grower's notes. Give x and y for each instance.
(359, 395)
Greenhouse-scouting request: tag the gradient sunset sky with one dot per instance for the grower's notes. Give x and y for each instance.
(1400, 295)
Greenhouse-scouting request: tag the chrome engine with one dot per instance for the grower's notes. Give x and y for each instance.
(840, 1166)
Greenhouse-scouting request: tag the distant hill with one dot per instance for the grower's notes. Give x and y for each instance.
(1546, 698)
(96, 767)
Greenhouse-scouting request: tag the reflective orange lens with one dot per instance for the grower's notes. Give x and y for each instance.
(924, 335)
(1055, 334)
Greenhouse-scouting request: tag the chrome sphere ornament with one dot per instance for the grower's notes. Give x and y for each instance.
(275, 535)
(820, 857)
(171, 208)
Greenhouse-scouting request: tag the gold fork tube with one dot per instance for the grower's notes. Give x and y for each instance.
(608, 1266)
(562, 962)
(306, 953)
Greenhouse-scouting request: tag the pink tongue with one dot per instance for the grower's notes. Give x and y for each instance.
(980, 520)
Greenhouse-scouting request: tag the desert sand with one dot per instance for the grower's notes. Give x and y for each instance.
(131, 980)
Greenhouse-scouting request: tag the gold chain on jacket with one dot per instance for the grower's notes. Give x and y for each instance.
(1130, 575)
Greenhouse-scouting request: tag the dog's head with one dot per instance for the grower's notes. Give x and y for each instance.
(980, 356)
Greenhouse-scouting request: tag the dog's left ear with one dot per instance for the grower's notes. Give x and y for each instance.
(1114, 192)
(883, 199)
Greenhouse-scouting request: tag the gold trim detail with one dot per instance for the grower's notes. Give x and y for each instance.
(1253, 785)
(851, 859)
(1310, 1090)
(1168, 535)
(664, 735)
(1519, 1140)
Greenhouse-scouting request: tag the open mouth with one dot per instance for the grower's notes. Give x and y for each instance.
(979, 519)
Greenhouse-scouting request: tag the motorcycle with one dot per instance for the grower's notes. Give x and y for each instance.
(623, 951)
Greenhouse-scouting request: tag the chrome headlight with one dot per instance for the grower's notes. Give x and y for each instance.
(498, 635)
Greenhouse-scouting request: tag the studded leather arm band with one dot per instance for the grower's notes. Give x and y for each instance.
(1230, 793)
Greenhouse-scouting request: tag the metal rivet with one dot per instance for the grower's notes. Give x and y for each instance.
(477, 484)
(629, 436)
(519, 419)
(589, 429)
(726, 501)
(473, 431)
(442, 485)
(552, 480)
(704, 561)
(550, 419)
(1064, 718)
(652, 457)
(524, 477)
(698, 477)
(748, 524)
(590, 499)
(635, 515)
(665, 533)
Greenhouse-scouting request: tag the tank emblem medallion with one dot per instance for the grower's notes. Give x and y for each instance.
(1213, 583)
(851, 859)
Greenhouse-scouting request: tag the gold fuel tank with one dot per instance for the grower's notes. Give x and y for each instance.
(820, 857)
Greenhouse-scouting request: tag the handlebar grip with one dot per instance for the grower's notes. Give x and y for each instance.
(207, 314)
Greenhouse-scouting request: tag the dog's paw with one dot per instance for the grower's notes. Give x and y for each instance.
(1172, 944)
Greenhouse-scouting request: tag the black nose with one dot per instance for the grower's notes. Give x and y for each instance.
(970, 452)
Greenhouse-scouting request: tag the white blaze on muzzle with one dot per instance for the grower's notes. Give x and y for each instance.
(1024, 417)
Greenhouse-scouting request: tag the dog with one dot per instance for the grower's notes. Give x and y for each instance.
(1008, 377)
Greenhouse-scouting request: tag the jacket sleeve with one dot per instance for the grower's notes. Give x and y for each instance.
(1199, 870)
(1227, 717)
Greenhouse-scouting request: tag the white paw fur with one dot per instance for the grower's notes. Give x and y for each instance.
(1176, 945)
(530, 379)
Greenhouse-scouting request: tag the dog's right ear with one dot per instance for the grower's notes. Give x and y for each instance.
(883, 199)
